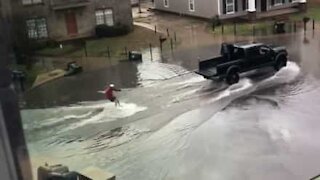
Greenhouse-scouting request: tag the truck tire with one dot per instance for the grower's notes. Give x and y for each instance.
(232, 77)
(280, 63)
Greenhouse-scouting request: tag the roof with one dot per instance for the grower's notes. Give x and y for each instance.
(246, 46)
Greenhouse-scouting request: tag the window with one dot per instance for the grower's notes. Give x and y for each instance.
(104, 17)
(166, 3)
(27, 2)
(230, 6)
(253, 52)
(108, 14)
(99, 17)
(37, 28)
(42, 28)
(277, 2)
(191, 5)
(238, 53)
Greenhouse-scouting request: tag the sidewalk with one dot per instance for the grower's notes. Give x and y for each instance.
(47, 77)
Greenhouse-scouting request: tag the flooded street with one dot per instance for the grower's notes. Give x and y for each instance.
(173, 124)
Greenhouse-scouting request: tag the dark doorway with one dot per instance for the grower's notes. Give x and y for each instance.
(263, 5)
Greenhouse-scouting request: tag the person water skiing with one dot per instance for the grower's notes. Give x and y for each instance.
(109, 94)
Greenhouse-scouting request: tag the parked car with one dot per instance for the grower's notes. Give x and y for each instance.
(236, 59)
(73, 68)
(135, 56)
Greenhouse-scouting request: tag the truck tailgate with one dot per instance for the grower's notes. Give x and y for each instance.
(207, 68)
(207, 73)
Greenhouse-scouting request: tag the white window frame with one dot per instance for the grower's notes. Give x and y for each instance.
(37, 31)
(108, 17)
(166, 3)
(99, 17)
(103, 16)
(278, 2)
(30, 2)
(191, 2)
(230, 5)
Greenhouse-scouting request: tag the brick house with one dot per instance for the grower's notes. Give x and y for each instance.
(227, 9)
(68, 19)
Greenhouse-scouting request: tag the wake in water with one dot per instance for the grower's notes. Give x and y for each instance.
(76, 116)
(110, 113)
(164, 148)
(286, 75)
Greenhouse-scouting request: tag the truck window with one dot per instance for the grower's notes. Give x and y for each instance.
(264, 50)
(238, 53)
(253, 52)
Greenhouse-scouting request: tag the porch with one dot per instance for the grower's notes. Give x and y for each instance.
(276, 13)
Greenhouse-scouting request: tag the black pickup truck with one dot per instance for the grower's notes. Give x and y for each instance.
(236, 59)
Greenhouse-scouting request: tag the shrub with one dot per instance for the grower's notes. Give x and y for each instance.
(111, 31)
(216, 21)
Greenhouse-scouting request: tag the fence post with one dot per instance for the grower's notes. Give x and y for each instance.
(253, 30)
(295, 26)
(108, 52)
(175, 37)
(313, 24)
(155, 29)
(222, 28)
(85, 49)
(305, 26)
(171, 42)
(160, 43)
(139, 6)
(150, 46)
(126, 51)
(168, 32)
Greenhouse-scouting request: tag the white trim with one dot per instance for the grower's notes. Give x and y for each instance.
(278, 3)
(230, 5)
(252, 6)
(219, 8)
(166, 3)
(189, 3)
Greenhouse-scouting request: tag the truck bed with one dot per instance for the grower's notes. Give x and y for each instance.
(207, 73)
(207, 67)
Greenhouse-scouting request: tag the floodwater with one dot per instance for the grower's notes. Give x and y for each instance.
(173, 124)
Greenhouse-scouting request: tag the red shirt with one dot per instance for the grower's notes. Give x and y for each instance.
(109, 93)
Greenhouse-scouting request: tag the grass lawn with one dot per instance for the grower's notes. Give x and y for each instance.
(138, 39)
(57, 51)
(246, 29)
